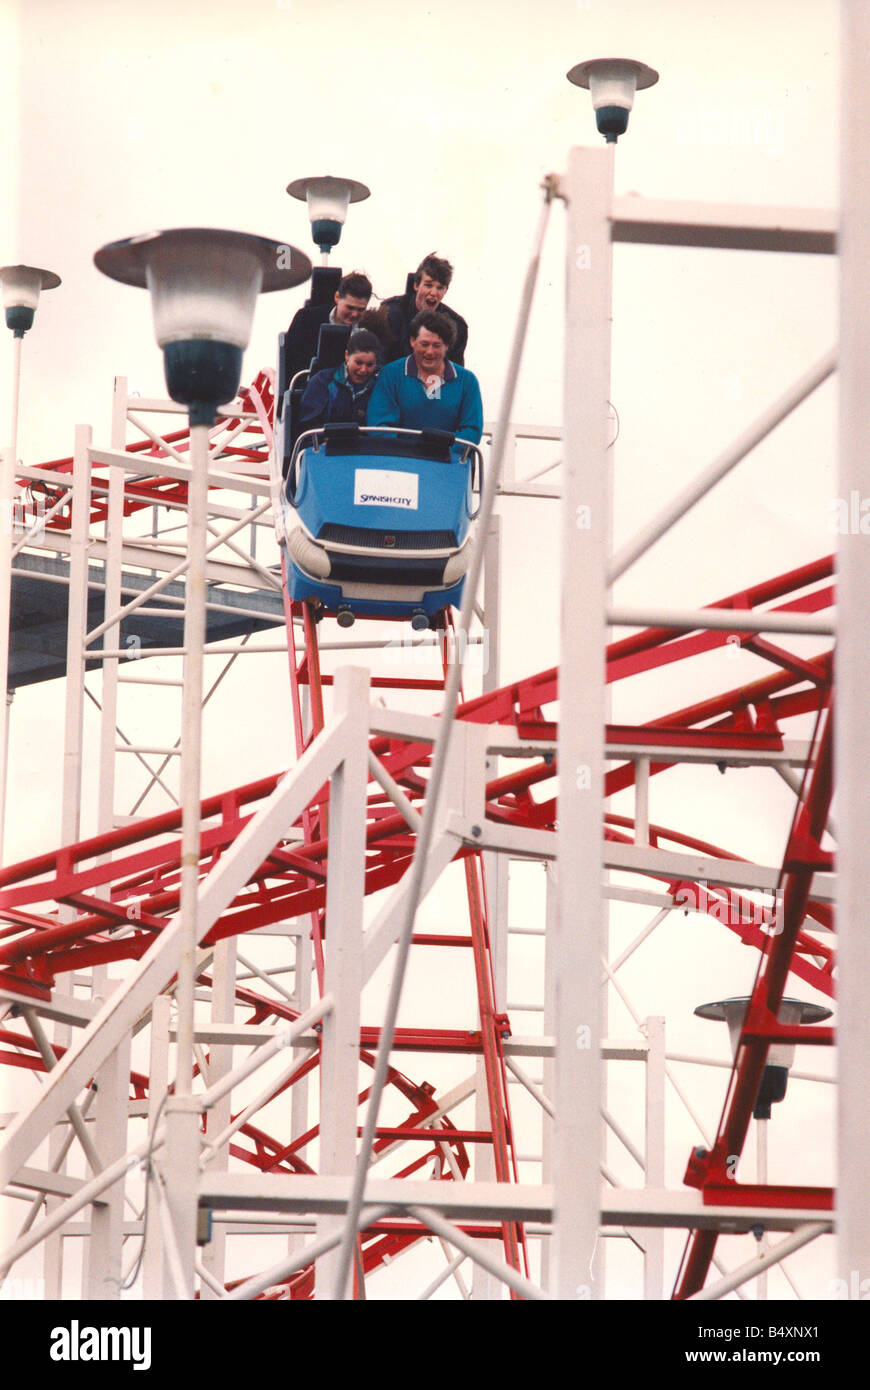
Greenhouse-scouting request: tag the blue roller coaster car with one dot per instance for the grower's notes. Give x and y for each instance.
(377, 520)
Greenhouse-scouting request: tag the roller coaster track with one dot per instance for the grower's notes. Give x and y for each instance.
(75, 908)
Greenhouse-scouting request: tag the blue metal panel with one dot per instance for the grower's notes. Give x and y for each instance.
(329, 486)
(302, 587)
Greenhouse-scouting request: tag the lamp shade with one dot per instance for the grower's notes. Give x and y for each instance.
(612, 83)
(733, 1012)
(21, 289)
(609, 78)
(203, 282)
(328, 199)
(780, 1056)
(204, 285)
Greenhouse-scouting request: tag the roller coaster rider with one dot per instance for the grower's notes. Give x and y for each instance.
(341, 394)
(426, 390)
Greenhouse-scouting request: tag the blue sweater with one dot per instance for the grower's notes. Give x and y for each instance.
(400, 398)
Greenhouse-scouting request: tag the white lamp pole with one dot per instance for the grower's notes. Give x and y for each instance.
(21, 286)
(328, 199)
(203, 284)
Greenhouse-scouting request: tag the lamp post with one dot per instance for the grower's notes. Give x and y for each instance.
(328, 198)
(774, 1078)
(612, 83)
(21, 286)
(203, 285)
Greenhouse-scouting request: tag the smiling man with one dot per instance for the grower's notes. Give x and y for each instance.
(425, 390)
(431, 282)
(351, 302)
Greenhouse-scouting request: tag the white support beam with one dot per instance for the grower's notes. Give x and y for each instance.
(585, 546)
(143, 466)
(654, 1152)
(7, 536)
(343, 977)
(724, 226)
(721, 620)
(681, 1209)
(852, 728)
(220, 1065)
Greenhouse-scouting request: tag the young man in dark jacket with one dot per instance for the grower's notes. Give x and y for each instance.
(341, 394)
(351, 300)
(431, 282)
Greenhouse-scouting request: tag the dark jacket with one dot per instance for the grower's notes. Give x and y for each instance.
(402, 309)
(330, 399)
(300, 342)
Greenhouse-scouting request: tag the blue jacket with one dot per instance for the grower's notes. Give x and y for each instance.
(400, 398)
(330, 399)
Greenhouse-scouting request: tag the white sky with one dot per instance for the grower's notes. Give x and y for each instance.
(129, 117)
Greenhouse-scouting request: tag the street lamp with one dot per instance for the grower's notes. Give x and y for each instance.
(204, 285)
(328, 199)
(612, 83)
(21, 285)
(774, 1079)
(779, 1055)
(21, 289)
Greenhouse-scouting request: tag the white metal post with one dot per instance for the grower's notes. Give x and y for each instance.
(158, 1084)
(551, 971)
(761, 1136)
(495, 868)
(16, 393)
(104, 1248)
(220, 1065)
(345, 889)
(299, 1095)
(76, 629)
(182, 1114)
(654, 1153)
(114, 546)
(71, 795)
(852, 730)
(588, 188)
(7, 488)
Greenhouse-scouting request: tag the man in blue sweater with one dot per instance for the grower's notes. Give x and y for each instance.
(425, 390)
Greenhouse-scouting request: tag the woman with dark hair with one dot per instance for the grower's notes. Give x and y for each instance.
(341, 394)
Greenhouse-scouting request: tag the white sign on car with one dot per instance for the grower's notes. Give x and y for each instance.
(385, 487)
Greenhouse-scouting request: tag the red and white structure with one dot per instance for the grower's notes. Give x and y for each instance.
(377, 1114)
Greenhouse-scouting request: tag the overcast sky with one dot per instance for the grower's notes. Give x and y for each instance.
(128, 117)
